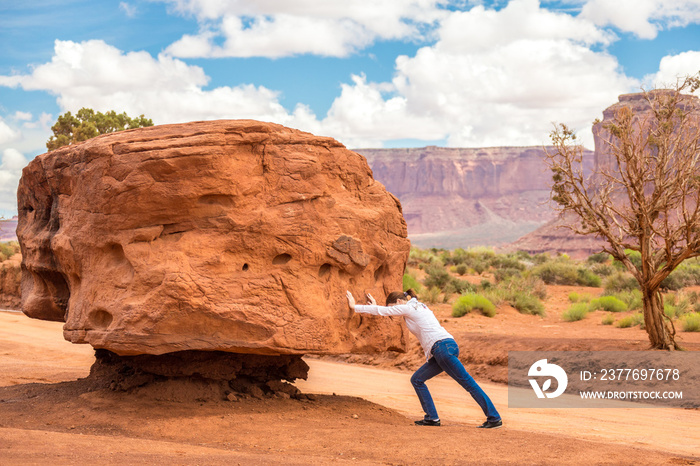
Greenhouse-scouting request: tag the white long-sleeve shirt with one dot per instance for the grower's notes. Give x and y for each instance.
(419, 319)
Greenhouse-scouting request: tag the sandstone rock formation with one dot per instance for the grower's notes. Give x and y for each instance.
(553, 237)
(455, 197)
(234, 236)
(10, 282)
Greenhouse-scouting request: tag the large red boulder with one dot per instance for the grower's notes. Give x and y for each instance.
(234, 235)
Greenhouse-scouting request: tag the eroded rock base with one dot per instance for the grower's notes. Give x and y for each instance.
(199, 375)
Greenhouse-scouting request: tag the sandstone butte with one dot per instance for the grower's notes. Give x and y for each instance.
(224, 236)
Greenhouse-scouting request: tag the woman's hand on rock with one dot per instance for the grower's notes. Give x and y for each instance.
(351, 300)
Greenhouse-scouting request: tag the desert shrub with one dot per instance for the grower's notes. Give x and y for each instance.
(673, 282)
(410, 281)
(670, 311)
(691, 322)
(540, 258)
(455, 285)
(633, 298)
(432, 295)
(424, 258)
(507, 262)
(608, 303)
(634, 256)
(8, 250)
(620, 281)
(504, 274)
(598, 258)
(470, 301)
(608, 319)
(436, 276)
(495, 294)
(459, 256)
(556, 273)
(588, 278)
(686, 274)
(631, 321)
(461, 269)
(564, 272)
(680, 303)
(526, 303)
(603, 270)
(577, 311)
(575, 297)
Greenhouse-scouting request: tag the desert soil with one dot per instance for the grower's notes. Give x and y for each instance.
(360, 415)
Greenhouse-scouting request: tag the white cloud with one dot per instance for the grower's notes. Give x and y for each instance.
(7, 134)
(22, 116)
(128, 9)
(277, 28)
(96, 75)
(539, 70)
(10, 172)
(672, 68)
(644, 18)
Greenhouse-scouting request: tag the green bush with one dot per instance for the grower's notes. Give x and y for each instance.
(574, 297)
(461, 269)
(556, 273)
(608, 303)
(598, 258)
(576, 312)
(608, 319)
(631, 321)
(411, 282)
(673, 282)
(437, 276)
(633, 298)
(526, 303)
(603, 270)
(634, 256)
(470, 301)
(432, 295)
(459, 286)
(620, 281)
(588, 278)
(564, 272)
(691, 322)
(8, 250)
(505, 274)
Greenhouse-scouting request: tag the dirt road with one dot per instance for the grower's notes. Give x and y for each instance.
(48, 417)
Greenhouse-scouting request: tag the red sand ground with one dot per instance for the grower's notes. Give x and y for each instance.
(48, 416)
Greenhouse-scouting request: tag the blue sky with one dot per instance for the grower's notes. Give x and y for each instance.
(386, 73)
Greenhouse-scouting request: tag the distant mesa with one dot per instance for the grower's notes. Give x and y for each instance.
(230, 236)
(457, 197)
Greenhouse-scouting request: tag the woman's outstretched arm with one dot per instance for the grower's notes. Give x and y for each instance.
(397, 310)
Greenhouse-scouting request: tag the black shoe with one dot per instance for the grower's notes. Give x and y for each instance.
(491, 425)
(427, 422)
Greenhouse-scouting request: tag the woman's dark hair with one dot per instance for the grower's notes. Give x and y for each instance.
(396, 295)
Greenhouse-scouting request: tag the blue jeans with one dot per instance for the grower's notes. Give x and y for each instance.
(444, 358)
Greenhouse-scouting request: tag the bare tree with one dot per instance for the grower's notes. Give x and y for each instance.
(644, 196)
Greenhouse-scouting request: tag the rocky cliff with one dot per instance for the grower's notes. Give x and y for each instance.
(457, 197)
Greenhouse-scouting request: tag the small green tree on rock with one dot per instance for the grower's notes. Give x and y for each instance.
(644, 197)
(87, 124)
